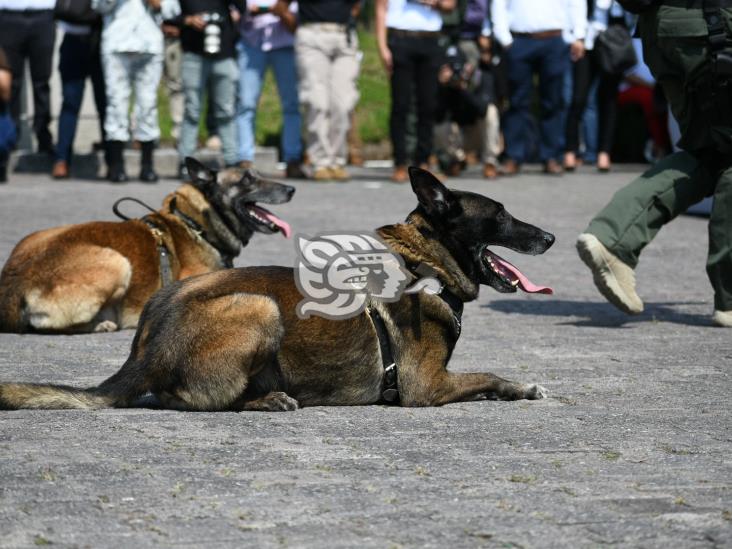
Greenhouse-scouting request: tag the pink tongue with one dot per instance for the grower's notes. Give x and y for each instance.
(524, 283)
(269, 216)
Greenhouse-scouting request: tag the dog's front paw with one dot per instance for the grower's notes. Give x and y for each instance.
(105, 326)
(275, 401)
(535, 391)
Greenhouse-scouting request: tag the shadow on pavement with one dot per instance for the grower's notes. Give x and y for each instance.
(601, 313)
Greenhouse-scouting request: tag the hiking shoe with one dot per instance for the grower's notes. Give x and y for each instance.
(614, 279)
(722, 318)
(339, 173)
(322, 174)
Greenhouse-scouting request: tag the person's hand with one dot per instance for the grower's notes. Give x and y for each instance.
(445, 74)
(195, 21)
(235, 16)
(171, 31)
(154, 4)
(280, 8)
(577, 50)
(386, 59)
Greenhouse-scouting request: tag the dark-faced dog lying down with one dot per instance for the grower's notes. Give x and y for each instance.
(98, 276)
(231, 340)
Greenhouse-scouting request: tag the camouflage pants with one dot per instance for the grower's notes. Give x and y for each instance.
(124, 72)
(675, 48)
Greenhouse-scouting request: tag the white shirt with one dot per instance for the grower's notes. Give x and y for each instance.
(22, 5)
(569, 16)
(404, 15)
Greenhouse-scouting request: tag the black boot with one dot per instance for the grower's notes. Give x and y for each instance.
(115, 162)
(147, 173)
(3, 170)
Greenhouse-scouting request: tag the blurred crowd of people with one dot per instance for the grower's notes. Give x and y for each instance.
(502, 82)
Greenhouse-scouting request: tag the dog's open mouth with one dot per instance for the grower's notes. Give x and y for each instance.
(265, 219)
(511, 275)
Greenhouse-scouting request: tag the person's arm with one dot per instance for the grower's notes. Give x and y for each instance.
(6, 81)
(282, 10)
(103, 6)
(578, 17)
(380, 23)
(499, 17)
(169, 9)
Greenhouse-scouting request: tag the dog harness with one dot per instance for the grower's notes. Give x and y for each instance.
(390, 385)
(166, 270)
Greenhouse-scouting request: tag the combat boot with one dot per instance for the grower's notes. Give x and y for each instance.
(115, 162)
(147, 172)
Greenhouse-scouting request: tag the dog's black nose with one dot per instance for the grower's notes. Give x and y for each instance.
(290, 191)
(549, 239)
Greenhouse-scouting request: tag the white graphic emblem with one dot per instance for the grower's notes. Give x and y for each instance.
(337, 273)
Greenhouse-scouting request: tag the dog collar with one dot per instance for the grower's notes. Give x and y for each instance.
(194, 226)
(448, 296)
(389, 386)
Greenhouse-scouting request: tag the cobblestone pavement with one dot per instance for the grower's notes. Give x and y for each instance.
(632, 448)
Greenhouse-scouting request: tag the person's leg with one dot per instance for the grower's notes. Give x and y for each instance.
(402, 84)
(343, 99)
(173, 82)
(223, 84)
(40, 56)
(73, 69)
(148, 70)
(117, 77)
(194, 71)
(638, 211)
(252, 66)
(607, 101)
(97, 78)
(15, 35)
(520, 80)
(719, 260)
(552, 66)
(313, 69)
(427, 66)
(580, 89)
(491, 137)
(285, 72)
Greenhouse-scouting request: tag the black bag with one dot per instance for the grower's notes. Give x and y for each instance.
(75, 11)
(614, 50)
(637, 6)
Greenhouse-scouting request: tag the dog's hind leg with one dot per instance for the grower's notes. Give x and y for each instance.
(225, 355)
(80, 292)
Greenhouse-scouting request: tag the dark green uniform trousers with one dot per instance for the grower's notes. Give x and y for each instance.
(675, 49)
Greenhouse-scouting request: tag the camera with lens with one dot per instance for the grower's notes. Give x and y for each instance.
(212, 33)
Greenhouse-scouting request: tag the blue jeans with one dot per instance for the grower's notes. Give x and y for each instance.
(78, 59)
(253, 63)
(549, 58)
(220, 77)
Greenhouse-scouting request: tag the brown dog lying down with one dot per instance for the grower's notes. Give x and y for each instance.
(98, 276)
(231, 340)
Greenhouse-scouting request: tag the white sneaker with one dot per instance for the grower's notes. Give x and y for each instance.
(614, 279)
(722, 318)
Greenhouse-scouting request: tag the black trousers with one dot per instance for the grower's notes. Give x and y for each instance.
(584, 72)
(416, 61)
(30, 35)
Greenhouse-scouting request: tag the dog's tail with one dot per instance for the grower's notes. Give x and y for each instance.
(118, 391)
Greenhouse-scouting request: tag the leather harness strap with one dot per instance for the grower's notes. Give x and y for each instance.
(166, 270)
(390, 385)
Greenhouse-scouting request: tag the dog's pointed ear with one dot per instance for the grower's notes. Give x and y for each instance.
(434, 197)
(202, 177)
